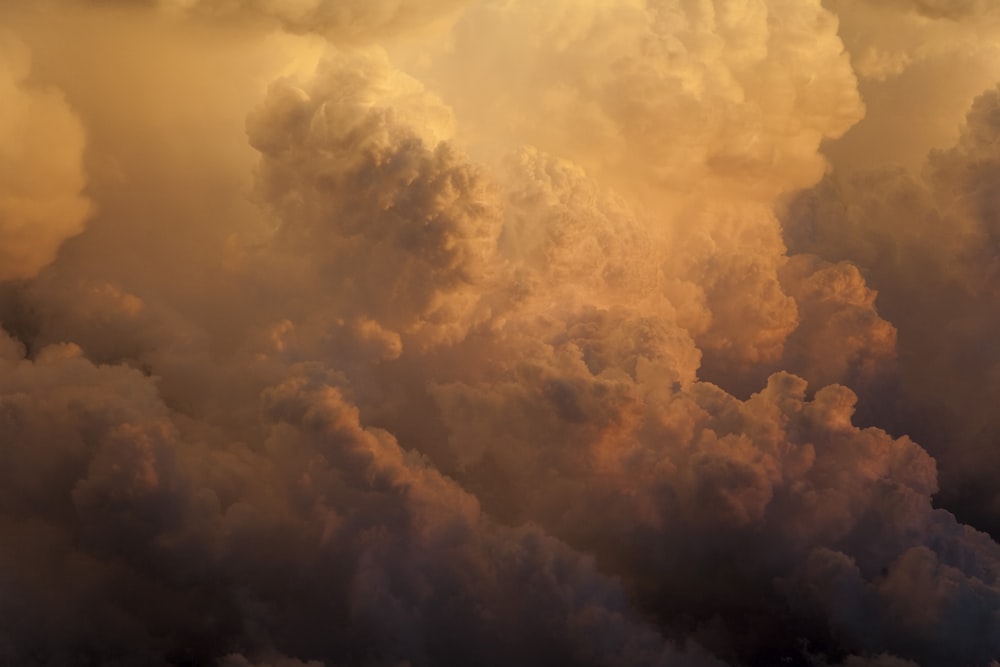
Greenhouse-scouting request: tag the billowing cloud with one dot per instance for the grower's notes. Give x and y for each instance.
(145, 516)
(499, 339)
(920, 64)
(928, 244)
(840, 336)
(622, 87)
(41, 167)
(398, 222)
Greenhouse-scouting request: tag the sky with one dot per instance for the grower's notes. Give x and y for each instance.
(419, 333)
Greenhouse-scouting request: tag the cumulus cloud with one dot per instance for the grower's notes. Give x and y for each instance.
(145, 517)
(902, 50)
(41, 167)
(667, 481)
(506, 345)
(840, 336)
(622, 88)
(927, 243)
(399, 222)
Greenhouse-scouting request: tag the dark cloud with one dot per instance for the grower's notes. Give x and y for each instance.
(927, 245)
(324, 540)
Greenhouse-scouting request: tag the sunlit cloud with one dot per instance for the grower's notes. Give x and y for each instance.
(616, 332)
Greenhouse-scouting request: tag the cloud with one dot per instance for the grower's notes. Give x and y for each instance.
(621, 88)
(41, 167)
(840, 336)
(401, 224)
(148, 514)
(495, 344)
(682, 109)
(950, 9)
(920, 602)
(350, 19)
(902, 50)
(664, 484)
(927, 244)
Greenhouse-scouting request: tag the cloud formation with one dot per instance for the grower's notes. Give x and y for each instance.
(511, 339)
(41, 167)
(145, 517)
(927, 242)
(920, 65)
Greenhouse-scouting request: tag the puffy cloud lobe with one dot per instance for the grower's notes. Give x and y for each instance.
(928, 246)
(831, 331)
(961, 176)
(396, 222)
(691, 441)
(41, 168)
(681, 479)
(622, 88)
(567, 242)
(560, 225)
(733, 253)
(840, 337)
(567, 253)
(901, 50)
(147, 519)
(920, 606)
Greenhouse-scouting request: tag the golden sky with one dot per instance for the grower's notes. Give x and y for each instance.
(343, 333)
